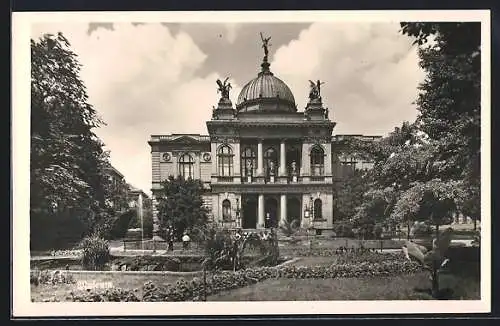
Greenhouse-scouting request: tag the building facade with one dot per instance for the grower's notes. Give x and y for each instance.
(263, 161)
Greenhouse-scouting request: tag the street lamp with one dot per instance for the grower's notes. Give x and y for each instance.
(306, 215)
(238, 222)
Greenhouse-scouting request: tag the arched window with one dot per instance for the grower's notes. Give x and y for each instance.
(271, 161)
(225, 155)
(186, 166)
(318, 212)
(317, 161)
(226, 210)
(249, 162)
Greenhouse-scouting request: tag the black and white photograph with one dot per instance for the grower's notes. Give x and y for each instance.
(251, 163)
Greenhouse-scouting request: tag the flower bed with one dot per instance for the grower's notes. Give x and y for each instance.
(194, 290)
(326, 252)
(66, 253)
(38, 277)
(133, 263)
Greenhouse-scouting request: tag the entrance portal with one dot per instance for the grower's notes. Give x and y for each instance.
(249, 210)
(294, 211)
(271, 212)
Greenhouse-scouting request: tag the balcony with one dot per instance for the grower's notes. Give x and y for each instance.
(317, 178)
(225, 179)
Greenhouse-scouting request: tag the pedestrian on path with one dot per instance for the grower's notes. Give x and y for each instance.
(185, 241)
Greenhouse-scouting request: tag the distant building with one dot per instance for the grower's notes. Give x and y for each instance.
(263, 161)
(122, 195)
(133, 196)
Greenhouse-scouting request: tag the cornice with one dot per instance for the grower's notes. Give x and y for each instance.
(273, 188)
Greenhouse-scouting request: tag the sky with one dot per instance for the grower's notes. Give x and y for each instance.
(160, 78)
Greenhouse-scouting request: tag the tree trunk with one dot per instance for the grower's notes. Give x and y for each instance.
(475, 224)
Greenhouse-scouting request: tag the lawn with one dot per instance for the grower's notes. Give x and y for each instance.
(463, 278)
(388, 288)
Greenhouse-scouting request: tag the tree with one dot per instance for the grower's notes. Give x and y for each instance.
(180, 203)
(349, 195)
(444, 142)
(434, 201)
(449, 101)
(66, 156)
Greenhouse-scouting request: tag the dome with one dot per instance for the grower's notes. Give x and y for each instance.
(266, 93)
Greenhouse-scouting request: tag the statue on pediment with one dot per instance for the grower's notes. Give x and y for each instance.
(315, 92)
(224, 88)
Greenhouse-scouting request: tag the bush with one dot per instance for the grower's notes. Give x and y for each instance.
(68, 252)
(366, 231)
(121, 223)
(95, 253)
(343, 230)
(421, 229)
(103, 295)
(377, 231)
(38, 277)
(151, 263)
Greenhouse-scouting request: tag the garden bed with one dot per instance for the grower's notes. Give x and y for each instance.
(182, 263)
(367, 265)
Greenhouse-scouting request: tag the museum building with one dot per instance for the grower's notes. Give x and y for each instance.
(263, 161)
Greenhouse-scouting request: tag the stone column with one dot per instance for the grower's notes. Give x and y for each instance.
(260, 159)
(261, 218)
(282, 209)
(282, 171)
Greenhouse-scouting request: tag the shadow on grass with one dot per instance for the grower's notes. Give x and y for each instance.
(443, 294)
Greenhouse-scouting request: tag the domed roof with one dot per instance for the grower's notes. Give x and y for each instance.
(266, 93)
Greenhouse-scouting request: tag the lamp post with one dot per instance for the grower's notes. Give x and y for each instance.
(306, 215)
(238, 222)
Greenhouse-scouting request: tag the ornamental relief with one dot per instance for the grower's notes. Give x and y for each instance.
(223, 139)
(177, 153)
(316, 139)
(285, 188)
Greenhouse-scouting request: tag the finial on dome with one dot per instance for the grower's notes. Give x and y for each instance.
(265, 45)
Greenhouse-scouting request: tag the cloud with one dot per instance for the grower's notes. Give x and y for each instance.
(232, 32)
(142, 80)
(371, 73)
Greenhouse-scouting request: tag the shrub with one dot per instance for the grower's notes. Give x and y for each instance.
(377, 231)
(421, 229)
(38, 277)
(69, 252)
(366, 231)
(343, 230)
(103, 295)
(290, 228)
(120, 224)
(95, 253)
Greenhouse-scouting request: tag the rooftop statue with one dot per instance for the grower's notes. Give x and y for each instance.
(315, 92)
(224, 88)
(265, 45)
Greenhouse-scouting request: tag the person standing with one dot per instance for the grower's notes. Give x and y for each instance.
(170, 237)
(185, 240)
